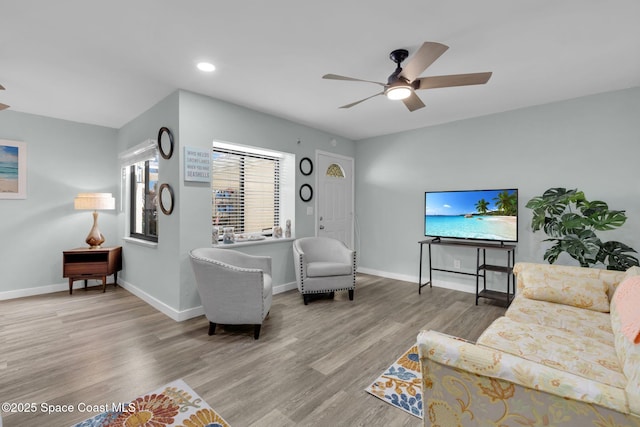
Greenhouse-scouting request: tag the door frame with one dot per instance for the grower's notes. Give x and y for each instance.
(316, 221)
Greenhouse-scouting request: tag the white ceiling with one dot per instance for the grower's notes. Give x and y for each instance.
(105, 62)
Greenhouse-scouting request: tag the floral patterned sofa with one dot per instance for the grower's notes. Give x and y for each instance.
(566, 352)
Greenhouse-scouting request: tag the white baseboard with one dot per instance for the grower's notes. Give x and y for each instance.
(414, 280)
(21, 293)
(284, 288)
(181, 315)
(177, 315)
(41, 290)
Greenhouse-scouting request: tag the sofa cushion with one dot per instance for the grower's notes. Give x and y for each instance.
(586, 323)
(625, 321)
(567, 351)
(581, 292)
(324, 269)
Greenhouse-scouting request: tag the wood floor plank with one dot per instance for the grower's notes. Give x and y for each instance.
(309, 368)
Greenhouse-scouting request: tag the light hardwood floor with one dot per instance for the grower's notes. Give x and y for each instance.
(309, 367)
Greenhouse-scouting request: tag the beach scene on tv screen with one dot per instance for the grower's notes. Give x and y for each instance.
(485, 215)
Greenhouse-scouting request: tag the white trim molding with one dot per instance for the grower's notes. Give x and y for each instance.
(414, 280)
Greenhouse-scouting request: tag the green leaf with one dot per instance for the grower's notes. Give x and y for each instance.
(536, 203)
(615, 256)
(553, 201)
(552, 227)
(589, 208)
(538, 220)
(571, 221)
(583, 247)
(607, 220)
(552, 254)
(578, 198)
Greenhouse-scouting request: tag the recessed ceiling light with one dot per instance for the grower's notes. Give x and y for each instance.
(206, 66)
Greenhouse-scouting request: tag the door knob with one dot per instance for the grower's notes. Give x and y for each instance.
(322, 227)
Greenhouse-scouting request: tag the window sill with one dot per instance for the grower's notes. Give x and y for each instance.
(140, 242)
(268, 240)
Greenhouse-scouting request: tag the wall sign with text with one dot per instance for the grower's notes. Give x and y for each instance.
(197, 164)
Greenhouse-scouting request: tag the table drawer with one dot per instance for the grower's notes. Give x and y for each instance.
(85, 268)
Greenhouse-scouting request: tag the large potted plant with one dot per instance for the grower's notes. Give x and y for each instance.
(570, 221)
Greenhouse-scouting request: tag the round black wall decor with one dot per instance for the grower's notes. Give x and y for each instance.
(306, 166)
(165, 142)
(306, 192)
(166, 199)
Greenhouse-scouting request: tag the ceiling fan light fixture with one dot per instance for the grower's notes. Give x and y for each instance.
(398, 91)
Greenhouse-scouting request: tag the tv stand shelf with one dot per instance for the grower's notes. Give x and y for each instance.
(481, 268)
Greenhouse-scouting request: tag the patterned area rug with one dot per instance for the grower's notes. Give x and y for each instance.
(400, 385)
(175, 404)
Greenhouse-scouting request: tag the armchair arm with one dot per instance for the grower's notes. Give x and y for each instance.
(345, 254)
(481, 386)
(300, 265)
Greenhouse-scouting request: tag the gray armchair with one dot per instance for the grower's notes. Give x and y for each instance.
(323, 265)
(235, 288)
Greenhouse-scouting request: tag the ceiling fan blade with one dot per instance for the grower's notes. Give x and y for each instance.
(1, 87)
(452, 80)
(351, 79)
(3, 106)
(422, 59)
(362, 100)
(413, 103)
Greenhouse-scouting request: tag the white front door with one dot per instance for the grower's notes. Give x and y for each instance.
(335, 202)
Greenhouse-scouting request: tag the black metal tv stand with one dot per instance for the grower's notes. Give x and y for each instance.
(481, 267)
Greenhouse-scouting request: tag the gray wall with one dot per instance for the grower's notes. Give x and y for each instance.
(164, 272)
(203, 120)
(63, 159)
(155, 270)
(591, 143)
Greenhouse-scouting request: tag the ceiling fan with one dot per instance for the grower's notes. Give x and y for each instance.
(403, 82)
(3, 106)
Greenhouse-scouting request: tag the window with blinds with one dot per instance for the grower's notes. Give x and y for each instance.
(246, 189)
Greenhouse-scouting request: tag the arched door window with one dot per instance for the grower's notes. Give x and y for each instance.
(335, 170)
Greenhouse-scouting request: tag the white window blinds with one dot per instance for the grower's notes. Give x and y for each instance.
(247, 185)
(246, 189)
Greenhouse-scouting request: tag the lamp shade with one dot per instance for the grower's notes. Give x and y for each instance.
(94, 201)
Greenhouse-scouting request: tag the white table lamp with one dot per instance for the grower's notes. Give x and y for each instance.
(95, 202)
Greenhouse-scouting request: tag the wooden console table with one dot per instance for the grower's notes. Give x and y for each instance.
(86, 263)
(481, 268)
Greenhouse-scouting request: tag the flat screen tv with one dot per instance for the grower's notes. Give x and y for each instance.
(490, 215)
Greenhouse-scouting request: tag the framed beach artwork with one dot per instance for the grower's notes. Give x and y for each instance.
(13, 170)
